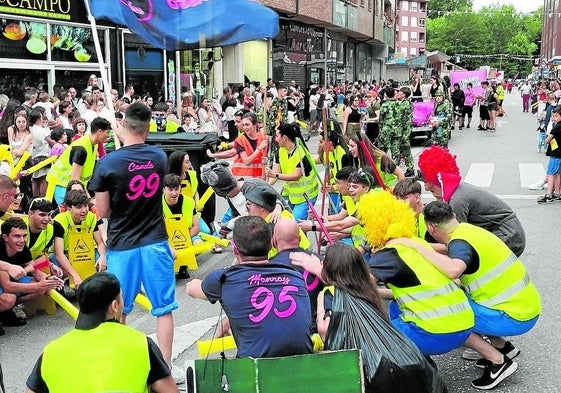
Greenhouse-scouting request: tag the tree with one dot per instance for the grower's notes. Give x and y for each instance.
(441, 7)
(496, 35)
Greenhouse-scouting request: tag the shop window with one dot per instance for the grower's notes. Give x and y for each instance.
(13, 82)
(23, 40)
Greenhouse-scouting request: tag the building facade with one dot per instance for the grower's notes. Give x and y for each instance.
(550, 50)
(411, 31)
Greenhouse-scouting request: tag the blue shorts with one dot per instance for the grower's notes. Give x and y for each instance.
(60, 193)
(23, 280)
(300, 211)
(428, 343)
(498, 323)
(553, 166)
(151, 266)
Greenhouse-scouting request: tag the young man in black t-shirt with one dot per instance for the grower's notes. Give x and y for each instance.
(14, 251)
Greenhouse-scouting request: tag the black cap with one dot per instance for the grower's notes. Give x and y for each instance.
(95, 294)
(262, 195)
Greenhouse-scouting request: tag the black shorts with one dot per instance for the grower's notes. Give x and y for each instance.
(493, 106)
(484, 112)
(467, 111)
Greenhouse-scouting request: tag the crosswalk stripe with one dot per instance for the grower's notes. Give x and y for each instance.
(480, 174)
(530, 173)
(188, 334)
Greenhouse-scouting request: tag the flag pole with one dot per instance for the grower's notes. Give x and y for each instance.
(103, 74)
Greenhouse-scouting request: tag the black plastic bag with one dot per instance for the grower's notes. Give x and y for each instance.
(392, 363)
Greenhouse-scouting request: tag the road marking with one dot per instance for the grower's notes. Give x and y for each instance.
(480, 174)
(429, 198)
(186, 335)
(530, 173)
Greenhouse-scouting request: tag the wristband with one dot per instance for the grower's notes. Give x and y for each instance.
(314, 228)
(277, 175)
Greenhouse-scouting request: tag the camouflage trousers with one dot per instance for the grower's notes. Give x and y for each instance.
(440, 136)
(400, 148)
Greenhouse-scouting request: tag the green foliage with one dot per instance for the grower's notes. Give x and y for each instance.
(483, 36)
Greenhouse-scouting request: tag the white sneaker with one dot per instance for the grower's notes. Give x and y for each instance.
(537, 186)
(178, 374)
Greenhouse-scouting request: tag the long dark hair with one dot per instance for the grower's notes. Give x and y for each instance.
(385, 160)
(344, 267)
(7, 119)
(175, 162)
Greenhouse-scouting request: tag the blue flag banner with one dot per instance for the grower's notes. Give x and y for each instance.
(190, 24)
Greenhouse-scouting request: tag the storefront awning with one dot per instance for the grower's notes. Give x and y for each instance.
(190, 24)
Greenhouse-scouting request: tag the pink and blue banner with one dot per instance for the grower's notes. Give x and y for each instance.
(190, 24)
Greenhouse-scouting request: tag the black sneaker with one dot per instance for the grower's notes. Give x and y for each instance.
(509, 350)
(494, 374)
(556, 197)
(479, 128)
(545, 199)
(2, 331)
(9, 318)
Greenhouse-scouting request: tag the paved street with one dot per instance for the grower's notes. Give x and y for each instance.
(503, 162)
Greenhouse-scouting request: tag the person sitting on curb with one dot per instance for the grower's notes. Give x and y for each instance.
(99, 340)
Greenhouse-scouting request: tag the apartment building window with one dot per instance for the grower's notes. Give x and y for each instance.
(414, 6)
(413, 37)
(422, 22)
(414, 21)
(404, 51)
(404, 21)
(405, 5)
(404, 36)
(413, 51)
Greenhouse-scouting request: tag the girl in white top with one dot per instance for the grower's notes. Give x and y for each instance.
(41, 151)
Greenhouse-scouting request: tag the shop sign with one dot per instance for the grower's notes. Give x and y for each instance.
(298, 37)
(67, 10)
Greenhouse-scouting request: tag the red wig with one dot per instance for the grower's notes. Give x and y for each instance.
(436, 160)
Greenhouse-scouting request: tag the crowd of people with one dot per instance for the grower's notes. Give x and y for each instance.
(439, 265)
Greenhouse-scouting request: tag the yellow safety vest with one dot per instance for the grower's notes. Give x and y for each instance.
(306, 184)
(110, 358)
(189, 186)
(304, 241)
(389, 178)
(421, 226)
(40, 246)
(335, 162)
(437, 304)
(61, 170)
(501, 282)
(65, 219)
(178, 225)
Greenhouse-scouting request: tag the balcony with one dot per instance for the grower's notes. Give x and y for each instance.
(389, 37)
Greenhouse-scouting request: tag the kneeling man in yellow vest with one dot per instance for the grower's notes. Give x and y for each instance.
(503, 298)
(106, 355)
(75, 249)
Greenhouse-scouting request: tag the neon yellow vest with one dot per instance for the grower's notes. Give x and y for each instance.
(389, 178)
(501, 282)
(61, 169)
(65, 219)
(437, 304)
(109, 358)
(335, 162)
(304, 241)
(40, 245)
(189, 186)
(421, 226)
(187, 208)
(306, 184)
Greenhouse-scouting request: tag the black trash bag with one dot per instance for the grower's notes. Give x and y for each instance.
(392, 362)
